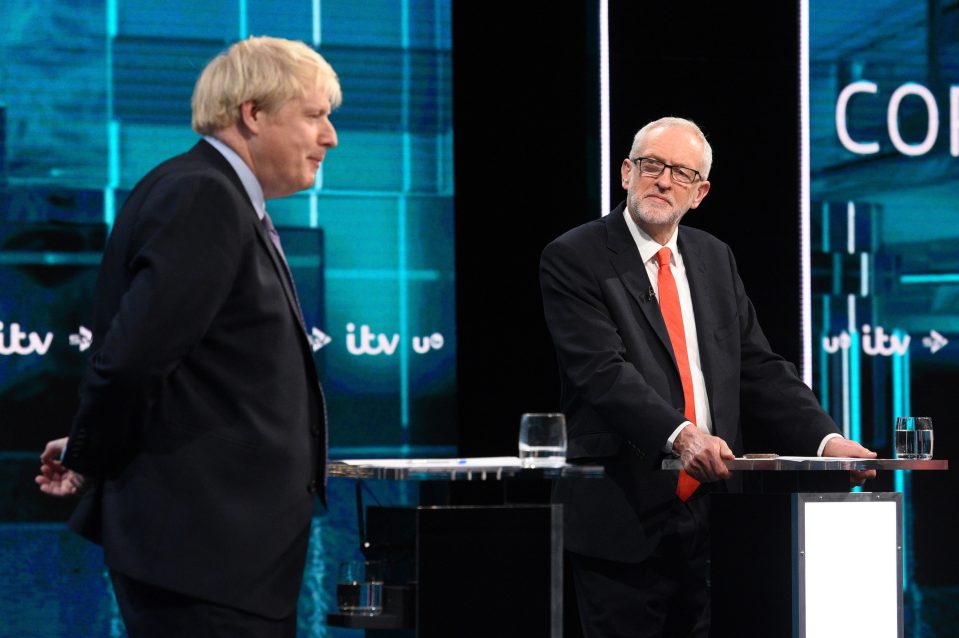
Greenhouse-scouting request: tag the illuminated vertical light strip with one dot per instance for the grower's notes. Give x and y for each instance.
(845, 391)
(805, 270)
(906, 377)
(863, 274)
(907, 491)
(855, 377)
(439, 140)
(824, 359)
(113, 179)
(401, 232)
(850, 228)
(849, 356)
(826, 315)
(314, 221)
(604, 202)
(855, 357)
(113, 127)
(825, 227)
(243, 26)
(900, 406)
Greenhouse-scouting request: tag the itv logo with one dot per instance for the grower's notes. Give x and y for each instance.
(23, 343)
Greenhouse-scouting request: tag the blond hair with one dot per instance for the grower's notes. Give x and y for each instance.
(269, 71)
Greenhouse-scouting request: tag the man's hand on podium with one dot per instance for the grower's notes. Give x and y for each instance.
(839, 446)
(702, 454)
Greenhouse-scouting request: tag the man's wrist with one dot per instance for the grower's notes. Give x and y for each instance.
(826, 439)
(672, 438)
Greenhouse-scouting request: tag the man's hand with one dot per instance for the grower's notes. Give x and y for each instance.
(702, 454)
(55, 479)
(838, 446)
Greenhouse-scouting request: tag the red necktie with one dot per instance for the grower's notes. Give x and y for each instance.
(673, 316)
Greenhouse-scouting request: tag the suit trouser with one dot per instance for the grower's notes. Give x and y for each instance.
(665, 595)
(152, 612)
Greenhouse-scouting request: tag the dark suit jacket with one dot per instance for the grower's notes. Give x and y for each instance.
(620, 385)
(201, 413)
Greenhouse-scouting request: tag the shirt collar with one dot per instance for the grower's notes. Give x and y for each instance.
(250, 183)
(648, 247)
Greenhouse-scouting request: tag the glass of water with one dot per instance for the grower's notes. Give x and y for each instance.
(359, 589)
(542, 439)
(914, 437)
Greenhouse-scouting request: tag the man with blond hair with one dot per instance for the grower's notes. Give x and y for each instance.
(200, 441)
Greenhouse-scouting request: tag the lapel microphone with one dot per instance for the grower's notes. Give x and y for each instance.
(650, 294)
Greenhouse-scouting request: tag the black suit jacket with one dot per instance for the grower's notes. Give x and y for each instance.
(201, 414)
(620, 385)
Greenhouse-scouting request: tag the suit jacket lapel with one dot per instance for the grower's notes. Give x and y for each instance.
(281, 271)
(632, 272)
(703, 304)
(205, 150)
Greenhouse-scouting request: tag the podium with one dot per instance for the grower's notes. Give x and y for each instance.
(780, 561)
(464, 570)
(777, 552)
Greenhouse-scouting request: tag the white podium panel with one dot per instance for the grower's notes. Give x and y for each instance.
(847, 588)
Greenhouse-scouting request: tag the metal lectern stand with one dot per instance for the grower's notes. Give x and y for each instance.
(473, 571)
(797, 554)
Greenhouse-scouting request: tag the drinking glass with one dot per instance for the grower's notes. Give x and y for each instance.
(359, 589)
(914, 437)
(542, 439)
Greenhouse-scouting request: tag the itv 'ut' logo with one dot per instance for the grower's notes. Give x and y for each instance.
(366, 342)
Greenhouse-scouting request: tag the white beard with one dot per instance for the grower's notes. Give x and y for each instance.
(651, 215)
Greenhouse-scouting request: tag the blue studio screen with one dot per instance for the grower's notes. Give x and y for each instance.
(92, 96)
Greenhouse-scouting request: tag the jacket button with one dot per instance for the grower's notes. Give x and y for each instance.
(311, 488)
(315, 430)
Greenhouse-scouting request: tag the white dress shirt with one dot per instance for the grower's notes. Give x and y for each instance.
(648, 247)
(250, 183)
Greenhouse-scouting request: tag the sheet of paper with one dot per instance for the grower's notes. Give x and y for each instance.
(475, 462)
(817, 458)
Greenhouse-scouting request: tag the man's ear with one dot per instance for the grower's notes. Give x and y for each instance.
(624, 170)
(701, 191)
(251, 115)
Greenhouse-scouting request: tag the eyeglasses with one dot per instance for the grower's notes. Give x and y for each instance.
(654, 168)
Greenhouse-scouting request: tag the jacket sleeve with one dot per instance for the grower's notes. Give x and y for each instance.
(587, 312)
(773, 397)
(168, 269)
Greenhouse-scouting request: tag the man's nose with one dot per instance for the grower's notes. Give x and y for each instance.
(327, 136)
(665, 179)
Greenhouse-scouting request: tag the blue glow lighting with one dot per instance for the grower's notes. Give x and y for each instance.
(392, 451)
(855, 389)
(930, 278)
(901, 480)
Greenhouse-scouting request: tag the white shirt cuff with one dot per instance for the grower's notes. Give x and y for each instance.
(822, 446)
(668, 448)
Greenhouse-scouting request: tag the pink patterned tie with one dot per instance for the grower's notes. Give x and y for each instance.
(275, 238)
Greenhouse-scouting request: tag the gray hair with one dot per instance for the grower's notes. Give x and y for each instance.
(675, 122)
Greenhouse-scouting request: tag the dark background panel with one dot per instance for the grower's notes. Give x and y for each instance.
(527, 156)
(525, 102)
(733, 68)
